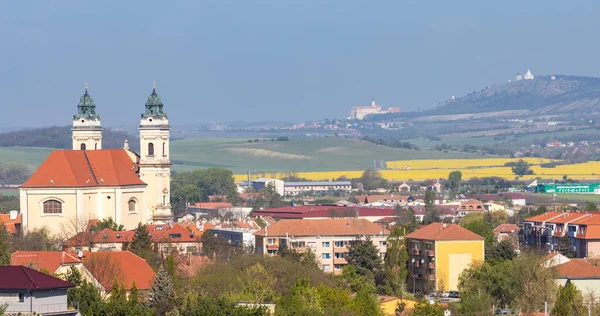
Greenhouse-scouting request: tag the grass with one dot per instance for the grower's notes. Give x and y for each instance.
(26, 155)
(316, 154)
(9, 191)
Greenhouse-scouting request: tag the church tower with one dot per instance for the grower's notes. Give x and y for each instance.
(155, 162)
(86, 129)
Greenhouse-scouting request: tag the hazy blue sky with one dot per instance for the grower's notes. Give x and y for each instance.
(276, 60)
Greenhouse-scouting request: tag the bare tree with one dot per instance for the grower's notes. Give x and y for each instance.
(104, 268)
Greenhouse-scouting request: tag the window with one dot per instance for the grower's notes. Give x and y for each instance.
(339, 255)
(340, 243)
(52, 207)
(132, 206)
(383, 244)
(271, 252)
(298, 244)
(338, 266)
(164, 200)
(271, 241)
(326, 267)
(382, 255)
(175, 235)
(164, 151)
(21, 297)
(326, 256)
(96, 146)
(572, 228)
(150, 149)
(82, 146)
(312, 244)
(325, 244)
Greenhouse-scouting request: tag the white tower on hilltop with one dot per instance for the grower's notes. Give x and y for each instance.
(155, 163)
(86, 129)
(528, 75)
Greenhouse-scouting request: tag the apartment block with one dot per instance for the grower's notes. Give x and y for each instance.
(329, 239)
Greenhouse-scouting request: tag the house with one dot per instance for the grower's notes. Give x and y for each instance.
(470, 206)
(173, 237)
(546, 231)
(435, 187)
(54, 262)
(72, 186)
(27, 291)
(390, 303)
(12, 222)
(263, 183)
(328, 238)
(582, 273)
(316, 187)
(507, 232)
(584, 235)
(389, 199)
(104, 240)
(403, 187)
(439, 253)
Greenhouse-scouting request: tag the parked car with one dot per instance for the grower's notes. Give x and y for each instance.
(453, 294)
(503, 312)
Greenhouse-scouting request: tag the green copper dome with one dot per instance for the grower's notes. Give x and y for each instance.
(86, 109)
(154, 106)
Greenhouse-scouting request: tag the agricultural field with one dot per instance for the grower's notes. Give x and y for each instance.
(26, 155)
(439, 169)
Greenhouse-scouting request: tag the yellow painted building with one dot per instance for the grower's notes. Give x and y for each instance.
(438, 255)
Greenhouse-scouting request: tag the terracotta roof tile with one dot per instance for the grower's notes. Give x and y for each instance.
(211, 205)
(323, 227)
(190, 265)
(23, 278)
(131, 268)
(47, 260)
(85, 168)
(106, 235)
(566, 218)
(506, 228)
(543, 217)
(439, 231)
(578, 269)
(11, 225)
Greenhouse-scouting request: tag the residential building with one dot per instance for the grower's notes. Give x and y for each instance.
(29, 292)
(439, 253)
(316, 187)
(584, 235)
(508, 232)
(390, 199)
(546, 231)
(470, 206)
(329, 238)
(73, 186)
(99, 268)
(12, 222)
(239, 237)
(580, 272)
(104, 240)
(403, 187)
(326, 211)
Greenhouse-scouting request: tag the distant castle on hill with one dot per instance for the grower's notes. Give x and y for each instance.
(359, 112)
(527, 76)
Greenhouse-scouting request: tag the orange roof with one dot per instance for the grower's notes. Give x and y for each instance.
(590, 219)
(506, 228)
(106, 235)
(10, 224)
(166, 232)
(211, 205)
(124, 265)
(190, 264)
(48, 260)
(439, 231)
(578, 269)
(324, 227)
(543, 217)
(566, 218)
(85, 168)
(592, 232)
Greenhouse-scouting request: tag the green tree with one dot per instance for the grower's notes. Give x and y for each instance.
(501, 251)
(591, 206)
(431, 211)
(108, 223)
(363, 255)
(74, 276)
(4, 245)
(203, 306)
(482, 228)
(259, 286)
(569, 301)
(454, 179)
(160, 296)
(184, 194)
(86, 298)
(371, 179)
(521, 168)
(141, 242)
(423, 308)
(395, 261)
(303, 300)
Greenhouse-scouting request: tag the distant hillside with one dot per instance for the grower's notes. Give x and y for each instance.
(60, 137)
(542, 96)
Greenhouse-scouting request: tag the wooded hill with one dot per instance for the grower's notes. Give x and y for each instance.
(60, 137)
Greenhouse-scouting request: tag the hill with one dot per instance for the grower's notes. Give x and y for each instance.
(542, 95)
(59, 137)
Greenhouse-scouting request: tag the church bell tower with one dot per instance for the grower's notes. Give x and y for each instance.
(86, 128)
(155, 162)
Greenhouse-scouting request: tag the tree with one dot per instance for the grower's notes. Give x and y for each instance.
(371, 179)
(396, 257)
(4, 245)
(483, 229)
(37, 240)
(105, 269)
(565, 248)
(259, 286)
(86, 298)
(141, 242)
(423, 308)
(363, 255)
(160, 297)
(501, 251)
(184, 194)
(74, 276)
(303, 300)
(521, 168)
(107, 223)
(569, 301)
(431, 212)
(591, 206)
(454, 179)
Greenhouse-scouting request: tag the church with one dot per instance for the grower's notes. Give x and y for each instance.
(72, 187)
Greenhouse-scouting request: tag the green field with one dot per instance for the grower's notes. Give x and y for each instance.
(238, 155)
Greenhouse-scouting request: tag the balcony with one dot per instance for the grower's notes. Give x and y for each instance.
(340, 249)
(431, 277)
(339, 261)
(430, 253)
(417, 264)
(431, 265)
(416, 252)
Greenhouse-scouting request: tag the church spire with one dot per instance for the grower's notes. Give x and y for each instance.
(154, 105)
(86, 109)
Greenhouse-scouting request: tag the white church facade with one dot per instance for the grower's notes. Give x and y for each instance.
(72, 187)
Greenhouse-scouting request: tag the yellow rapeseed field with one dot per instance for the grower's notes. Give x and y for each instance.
(439, 169)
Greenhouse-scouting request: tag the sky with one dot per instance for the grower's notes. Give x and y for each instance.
(225, 61)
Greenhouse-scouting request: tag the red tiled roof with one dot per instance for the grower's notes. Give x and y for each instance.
(506, 228)
(10, 224)
(173, 233)
(85, 168)
(590, 219)
(578, 269)
(211, 205)
(106, 235)
(47, 260)
(323, 227)
(439, 231)
(190, 264)
(381, 197)
(324, 211)
(543, 217)
(23, 278)
(128, 268)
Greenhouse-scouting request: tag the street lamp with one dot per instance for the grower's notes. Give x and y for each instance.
(413, 268)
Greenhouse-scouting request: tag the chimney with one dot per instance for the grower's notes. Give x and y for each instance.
(62, 259)
(126, 144)
(13, 215)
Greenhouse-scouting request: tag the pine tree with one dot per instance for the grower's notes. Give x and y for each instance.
(4, 245)
(141, 240)
(160, 297)
(364, 256)
(569, 301)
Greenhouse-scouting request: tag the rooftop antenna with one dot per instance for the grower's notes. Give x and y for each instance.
(154, 86)
(86, 87)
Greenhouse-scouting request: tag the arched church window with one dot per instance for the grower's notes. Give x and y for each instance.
(150, 149)
(96, 146)
(52, 207)
(132, 206)
(82, 147)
